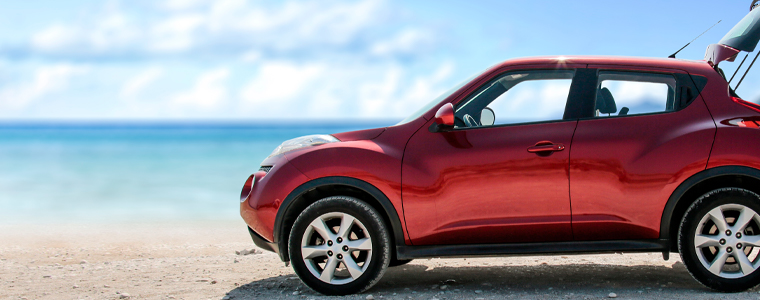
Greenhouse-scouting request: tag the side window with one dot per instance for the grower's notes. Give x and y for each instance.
(629, 93)
(517, 97)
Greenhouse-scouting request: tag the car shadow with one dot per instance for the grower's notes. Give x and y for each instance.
(543, 281)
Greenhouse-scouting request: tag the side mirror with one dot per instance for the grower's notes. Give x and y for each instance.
(487, 117)
(444, 118)
(445, 115)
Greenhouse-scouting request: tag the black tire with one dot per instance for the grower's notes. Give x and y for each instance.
(398, 262)
(369, 218)
(691, 255)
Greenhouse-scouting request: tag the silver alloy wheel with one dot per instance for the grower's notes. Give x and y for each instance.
(727, 241)
(336, 248)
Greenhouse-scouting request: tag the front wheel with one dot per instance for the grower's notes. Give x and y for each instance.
(719, 239)
(339, 245)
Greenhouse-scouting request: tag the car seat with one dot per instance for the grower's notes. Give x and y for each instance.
(605, 103)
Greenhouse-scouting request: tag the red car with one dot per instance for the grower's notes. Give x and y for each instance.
(534, 156)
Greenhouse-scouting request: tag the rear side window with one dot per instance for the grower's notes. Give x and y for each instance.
(630, 93)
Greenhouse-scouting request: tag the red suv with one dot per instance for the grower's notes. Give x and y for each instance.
(534, 156)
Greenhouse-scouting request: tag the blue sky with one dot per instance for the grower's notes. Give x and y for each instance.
(277, 61)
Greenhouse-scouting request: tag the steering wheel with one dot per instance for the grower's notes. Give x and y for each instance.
(469, 121)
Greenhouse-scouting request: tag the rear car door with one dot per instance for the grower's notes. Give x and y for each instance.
(501, 183)
(647, 132)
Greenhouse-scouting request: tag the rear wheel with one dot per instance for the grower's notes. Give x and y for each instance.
(339, 245)
(719, 239)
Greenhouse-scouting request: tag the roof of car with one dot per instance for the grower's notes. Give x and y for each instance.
(682, 64)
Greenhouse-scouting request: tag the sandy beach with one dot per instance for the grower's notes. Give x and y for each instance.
(199, 261)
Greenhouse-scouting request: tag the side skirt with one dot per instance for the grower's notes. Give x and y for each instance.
(411, 252)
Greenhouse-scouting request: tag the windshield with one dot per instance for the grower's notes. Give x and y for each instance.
(435, 101)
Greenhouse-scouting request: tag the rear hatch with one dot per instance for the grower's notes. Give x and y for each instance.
(743, 37)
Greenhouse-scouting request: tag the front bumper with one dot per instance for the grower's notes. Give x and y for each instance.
(268, 191)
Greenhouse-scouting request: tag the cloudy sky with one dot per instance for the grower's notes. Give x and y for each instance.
(274, 61)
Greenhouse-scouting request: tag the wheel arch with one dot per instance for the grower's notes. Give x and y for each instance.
(697, 185)
(311, 191)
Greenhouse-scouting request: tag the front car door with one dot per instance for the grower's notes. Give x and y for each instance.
(500, 183)
(647, 132)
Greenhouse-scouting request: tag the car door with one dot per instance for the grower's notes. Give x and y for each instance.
(500, 183)
(647, 132)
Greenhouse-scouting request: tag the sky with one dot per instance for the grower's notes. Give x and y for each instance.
(283, 61)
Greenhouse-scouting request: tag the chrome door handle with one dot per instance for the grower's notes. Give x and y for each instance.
(546, 147)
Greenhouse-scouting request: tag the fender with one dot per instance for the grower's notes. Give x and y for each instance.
(693, 181)
(389, 210)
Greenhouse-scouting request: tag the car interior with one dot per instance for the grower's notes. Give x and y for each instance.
(605, 103)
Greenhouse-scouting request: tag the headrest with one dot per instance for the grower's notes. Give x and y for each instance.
(604, 102)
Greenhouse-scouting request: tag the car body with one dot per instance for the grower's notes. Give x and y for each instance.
(455, 180)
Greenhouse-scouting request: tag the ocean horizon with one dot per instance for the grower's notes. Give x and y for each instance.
(56, 172)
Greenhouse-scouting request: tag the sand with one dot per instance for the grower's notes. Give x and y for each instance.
(198, 261)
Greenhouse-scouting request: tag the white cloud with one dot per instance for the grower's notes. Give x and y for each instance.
(55, 37)
(232, 26)
(280, 81)
(425, 89)
(113, 31)
(409, 41)
(136, 84)
(341, 90)
(375, 96)
(183, 4)
(47, 80)
(291, 59)
(178, 33)
(110, 32)
(251, 56)
(210, 91)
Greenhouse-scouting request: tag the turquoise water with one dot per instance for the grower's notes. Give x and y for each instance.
(133, 172)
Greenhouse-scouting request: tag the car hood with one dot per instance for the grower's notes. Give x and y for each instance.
(359, 135)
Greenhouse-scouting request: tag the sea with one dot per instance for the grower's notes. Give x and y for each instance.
(91, 173)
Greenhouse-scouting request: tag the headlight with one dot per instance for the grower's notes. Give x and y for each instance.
(303, 142)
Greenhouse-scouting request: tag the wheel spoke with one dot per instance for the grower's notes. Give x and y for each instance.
(744, 263)
(716, 215)
(320, 227)
(751, 240)
(746, 215)
(720, 259)
(360, 244)
(310, 252)
(702, 240)
(329, 272)
(352, 267)
(345, 226)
